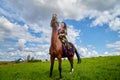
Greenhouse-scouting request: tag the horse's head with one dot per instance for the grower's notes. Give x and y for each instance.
(54, 21)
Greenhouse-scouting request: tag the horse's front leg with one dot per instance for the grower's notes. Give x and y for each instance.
(52, 64)
(59, 66)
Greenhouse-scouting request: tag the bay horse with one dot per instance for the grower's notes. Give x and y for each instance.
(55, 49)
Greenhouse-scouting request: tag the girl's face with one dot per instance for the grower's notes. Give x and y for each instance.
(62, 25)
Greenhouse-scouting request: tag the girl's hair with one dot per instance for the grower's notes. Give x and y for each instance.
(65, 26)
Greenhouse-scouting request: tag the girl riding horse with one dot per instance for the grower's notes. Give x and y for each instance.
(56, 50)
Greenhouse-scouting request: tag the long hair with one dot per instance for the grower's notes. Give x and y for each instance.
(65, 25)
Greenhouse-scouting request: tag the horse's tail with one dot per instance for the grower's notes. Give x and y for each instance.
(77, 54)
(78, 57)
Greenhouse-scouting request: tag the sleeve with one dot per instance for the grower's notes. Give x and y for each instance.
(65, 32)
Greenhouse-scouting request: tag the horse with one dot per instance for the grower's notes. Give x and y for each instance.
(56, 51)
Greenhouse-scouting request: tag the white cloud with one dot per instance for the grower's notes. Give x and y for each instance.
(90, 47)
(85, 52)
(36, 15)
(1, 53)
(21, 44)
(100, 5)
(13, 30)
(19, 33)
(106, 17)
(115, 46)
(111, 53)
(72, 34)
(103, 18)
(35, 11)
(115, 24)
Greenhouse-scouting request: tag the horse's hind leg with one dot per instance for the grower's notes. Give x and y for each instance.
(71, 63)
(52, 64)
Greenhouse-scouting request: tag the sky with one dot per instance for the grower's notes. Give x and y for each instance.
(93, 26)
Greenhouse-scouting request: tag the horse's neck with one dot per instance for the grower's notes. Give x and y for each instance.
(54, 38)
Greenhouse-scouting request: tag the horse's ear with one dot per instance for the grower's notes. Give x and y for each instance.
(54, 20)
(54, 16)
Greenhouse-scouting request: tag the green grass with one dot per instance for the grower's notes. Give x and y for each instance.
(100, 68)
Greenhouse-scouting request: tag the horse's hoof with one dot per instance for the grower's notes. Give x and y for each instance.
(72, 71)
(60, 78)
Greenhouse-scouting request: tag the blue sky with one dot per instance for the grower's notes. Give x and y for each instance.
(93, 27)
(97, 36)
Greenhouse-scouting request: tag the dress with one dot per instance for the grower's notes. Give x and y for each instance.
(63, 39)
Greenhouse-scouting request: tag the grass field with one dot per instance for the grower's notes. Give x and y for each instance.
(100, 68)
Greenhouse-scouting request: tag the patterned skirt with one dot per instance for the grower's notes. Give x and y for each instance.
(67, 47)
